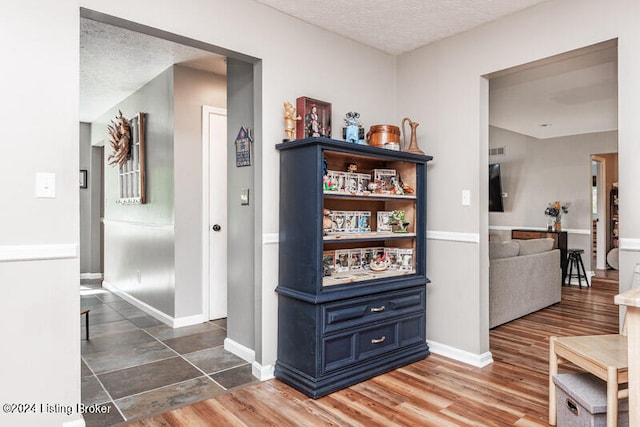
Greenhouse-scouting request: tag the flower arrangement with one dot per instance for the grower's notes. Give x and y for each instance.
(554, 211)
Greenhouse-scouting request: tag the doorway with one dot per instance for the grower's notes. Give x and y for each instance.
(598, 212)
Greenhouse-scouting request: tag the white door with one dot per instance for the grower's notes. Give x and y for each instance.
(215, 133)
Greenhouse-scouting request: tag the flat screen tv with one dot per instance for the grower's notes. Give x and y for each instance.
(495, 188)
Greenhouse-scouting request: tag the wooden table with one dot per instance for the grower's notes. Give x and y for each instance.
(605, 356)
(559, 242)
(631, 299)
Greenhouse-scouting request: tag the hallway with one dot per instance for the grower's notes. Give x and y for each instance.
(139, 367)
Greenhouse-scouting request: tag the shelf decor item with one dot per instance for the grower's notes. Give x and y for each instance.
(554, 212)
(352, 298)
(354, 132)
(290, 119)
(316, 118)
(384, 136)
(397, 218)
(413, 142)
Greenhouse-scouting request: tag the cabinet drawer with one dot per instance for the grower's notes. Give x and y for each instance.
(343, 350)
(358, 311)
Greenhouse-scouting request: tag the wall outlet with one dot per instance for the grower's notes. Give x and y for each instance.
(466, 197)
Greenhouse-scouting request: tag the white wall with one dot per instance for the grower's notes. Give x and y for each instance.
(287, 72)
(39, 264)
(536, 172)
(441, 85)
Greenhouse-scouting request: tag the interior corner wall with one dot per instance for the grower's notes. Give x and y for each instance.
(241, 219)
(39, 264)
(192, 89)
(139, 256)
(536, 172)
(439, 85)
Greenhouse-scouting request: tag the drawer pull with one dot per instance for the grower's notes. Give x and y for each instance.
(377, 309)
(379, 340)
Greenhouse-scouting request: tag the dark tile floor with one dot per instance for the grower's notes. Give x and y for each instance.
(140, 367)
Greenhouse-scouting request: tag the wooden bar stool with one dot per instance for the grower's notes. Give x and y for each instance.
(85, 313)
(575, 259)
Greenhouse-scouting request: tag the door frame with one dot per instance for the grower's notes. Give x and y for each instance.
(206, 235)
(603, 214)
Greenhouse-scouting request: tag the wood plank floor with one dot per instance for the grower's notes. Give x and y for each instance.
(433, 392)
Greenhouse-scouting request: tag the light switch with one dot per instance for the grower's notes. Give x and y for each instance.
(244, 196)
(466, 197)
(45, 185)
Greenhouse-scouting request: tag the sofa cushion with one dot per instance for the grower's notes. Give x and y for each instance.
(535, 246)
(499, 250)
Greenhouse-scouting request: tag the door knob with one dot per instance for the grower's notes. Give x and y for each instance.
(216, 227)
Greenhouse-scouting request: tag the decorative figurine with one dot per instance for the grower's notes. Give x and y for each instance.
(312, 122)
(352, 167)
(352, 133)
(326, 220)
(290, 121)
(397, 218)
(379, 262)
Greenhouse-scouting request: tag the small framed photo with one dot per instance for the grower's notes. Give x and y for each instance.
(83, 178)
(316, 118)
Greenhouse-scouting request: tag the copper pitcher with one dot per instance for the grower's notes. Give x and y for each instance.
(413, 145)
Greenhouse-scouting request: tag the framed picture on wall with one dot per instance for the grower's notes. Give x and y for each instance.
(83, 178)
(316, 118)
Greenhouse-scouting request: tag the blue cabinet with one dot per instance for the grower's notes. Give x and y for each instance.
(351, 294)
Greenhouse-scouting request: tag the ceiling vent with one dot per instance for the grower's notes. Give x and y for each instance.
(498, 151)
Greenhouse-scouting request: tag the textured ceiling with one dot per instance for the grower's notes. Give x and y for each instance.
(398, 26)
(575, 95)
(115, 62)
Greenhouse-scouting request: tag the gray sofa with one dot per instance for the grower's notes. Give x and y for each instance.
(524, 276)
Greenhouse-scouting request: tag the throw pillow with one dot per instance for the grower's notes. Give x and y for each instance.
(499, 250)
(535, 246)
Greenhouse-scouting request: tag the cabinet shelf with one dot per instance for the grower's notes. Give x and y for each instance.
(359, 276)
(371, 196)
(373, 236)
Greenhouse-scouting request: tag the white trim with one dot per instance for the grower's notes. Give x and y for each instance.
(154, 312)
(78, 422)
(262, 373)
(270, 238)
(244, 353)
(9, 253)
(206, 279)
(89, 276)
(453, 236)
(161, 227)
(513, 227)
(477, 360)
(196, 319)
(629, 244)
